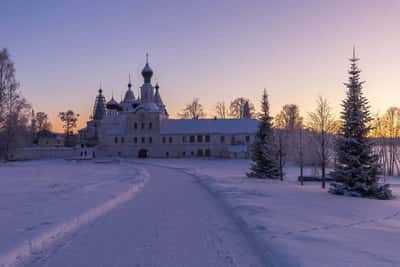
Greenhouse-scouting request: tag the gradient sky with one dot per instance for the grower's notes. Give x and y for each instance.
(214, 50)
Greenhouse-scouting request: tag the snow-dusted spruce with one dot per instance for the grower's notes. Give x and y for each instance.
(357, 167)
(265, 164)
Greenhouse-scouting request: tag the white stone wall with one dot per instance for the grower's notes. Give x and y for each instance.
(125, 134)
(31, 153)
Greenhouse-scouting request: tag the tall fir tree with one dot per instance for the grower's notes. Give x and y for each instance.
(357, 167)
(265, 163)
(246, 110)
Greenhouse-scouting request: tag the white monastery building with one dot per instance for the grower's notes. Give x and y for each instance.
(140, 127)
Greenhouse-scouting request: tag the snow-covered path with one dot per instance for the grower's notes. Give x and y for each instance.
(172, 222)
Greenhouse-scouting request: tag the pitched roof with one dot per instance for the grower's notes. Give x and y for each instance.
(212, 126)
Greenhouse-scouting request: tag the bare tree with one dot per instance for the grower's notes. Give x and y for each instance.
(288, 122)
(193, 110)
(42, 121)
(14, 109)
(289, 118)
(238, 106)
(323, 125)
(222, 110)
(301, 154)
(386, 131)
(69, 119)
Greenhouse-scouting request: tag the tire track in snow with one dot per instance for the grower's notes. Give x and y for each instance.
(40, 244)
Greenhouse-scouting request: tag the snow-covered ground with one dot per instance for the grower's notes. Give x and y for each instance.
(43, 201)
(304, 224)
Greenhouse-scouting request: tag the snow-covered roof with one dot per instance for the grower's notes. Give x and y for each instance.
(215, 126)
(112, 102)
(148, 106)
(129, 96)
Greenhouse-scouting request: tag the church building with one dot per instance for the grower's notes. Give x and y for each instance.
(139, 126)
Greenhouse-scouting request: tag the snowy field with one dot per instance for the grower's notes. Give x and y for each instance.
(304, 226)
(43, 201)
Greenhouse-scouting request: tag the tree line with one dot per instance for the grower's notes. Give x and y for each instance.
(18, 121)
(358, 161)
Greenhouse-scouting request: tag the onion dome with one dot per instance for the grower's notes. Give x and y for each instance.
(112, 104)
(129, 95)
(147, 72)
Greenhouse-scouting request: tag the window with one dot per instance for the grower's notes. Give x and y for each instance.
(170, 139)
(167, 154)
(199, 138)
(122, 140)
(163, 140)
(247, 138)
(183, 139)
(183, 153)
(200, 153)
(135, 140)
(222, 139)
(192, 139)
(116, 140)
(207, 138)
(150, 125)
(135, 126)
(150, 140)
(143, 140)
(142, 125)
(233, 140)
(192, 153)
(207, 152)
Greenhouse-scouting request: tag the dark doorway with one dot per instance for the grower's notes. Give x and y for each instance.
(142, 153)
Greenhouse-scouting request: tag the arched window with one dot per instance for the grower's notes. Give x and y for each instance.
(122, 140)
(142, 125)
(150, 140)
(135, 125)
(150, 125)
(143, 140)
(116, 140)
(135, 140)
(170, 139)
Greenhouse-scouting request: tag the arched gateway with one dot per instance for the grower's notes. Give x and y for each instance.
(142, 153)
